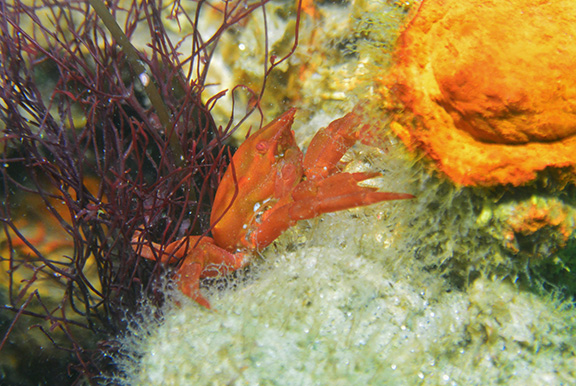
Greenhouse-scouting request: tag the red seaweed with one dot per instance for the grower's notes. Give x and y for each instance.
(90, 154)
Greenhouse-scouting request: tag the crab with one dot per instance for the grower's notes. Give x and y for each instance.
(267, 188)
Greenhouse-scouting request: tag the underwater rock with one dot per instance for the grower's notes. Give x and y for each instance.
(539, 225)
(322, 316)
(487, 89)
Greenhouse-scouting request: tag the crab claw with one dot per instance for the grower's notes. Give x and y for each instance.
(324, 189)
(312, 198)
(329, 146)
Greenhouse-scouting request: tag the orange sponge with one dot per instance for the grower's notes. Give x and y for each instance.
(488, 88)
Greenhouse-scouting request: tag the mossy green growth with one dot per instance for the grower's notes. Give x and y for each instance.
(324, 316)
(524, 234)
(559, 273)
(351, 298)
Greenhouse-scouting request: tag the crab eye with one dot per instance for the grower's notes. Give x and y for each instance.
(262, 147)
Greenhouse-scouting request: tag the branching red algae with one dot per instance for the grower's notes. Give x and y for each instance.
(86, 141)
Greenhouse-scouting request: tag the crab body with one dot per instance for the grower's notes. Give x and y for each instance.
(265, 169)
(267, 188)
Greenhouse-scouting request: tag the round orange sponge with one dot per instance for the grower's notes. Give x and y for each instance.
(488, 88)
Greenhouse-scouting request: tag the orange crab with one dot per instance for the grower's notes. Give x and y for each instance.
(267, 188)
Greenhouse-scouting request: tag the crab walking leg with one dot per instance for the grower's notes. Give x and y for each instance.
(312, 198)
(202, 258)
(206, 260)
(154, 251)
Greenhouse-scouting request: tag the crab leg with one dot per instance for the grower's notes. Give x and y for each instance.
(200, 257)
